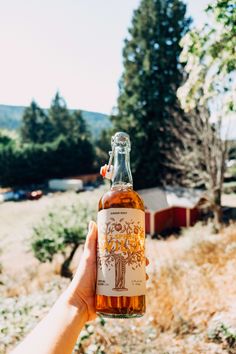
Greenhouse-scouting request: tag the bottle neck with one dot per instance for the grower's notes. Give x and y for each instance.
(122, 177)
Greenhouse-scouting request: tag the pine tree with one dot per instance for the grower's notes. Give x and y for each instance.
(152, 74)
(78, 126)
(59, 117)
(35, 127)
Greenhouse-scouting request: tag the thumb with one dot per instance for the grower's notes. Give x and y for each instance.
(91, 239)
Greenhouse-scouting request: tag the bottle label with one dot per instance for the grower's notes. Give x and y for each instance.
(121, 252)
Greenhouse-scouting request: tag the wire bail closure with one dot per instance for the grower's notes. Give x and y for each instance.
(107, 170)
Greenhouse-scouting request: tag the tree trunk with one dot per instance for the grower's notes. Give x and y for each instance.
(65, 271)
(217, 212)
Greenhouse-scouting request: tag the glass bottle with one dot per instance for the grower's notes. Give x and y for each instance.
(121, 276)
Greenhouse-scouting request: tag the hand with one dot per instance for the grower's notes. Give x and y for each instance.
(81, 291)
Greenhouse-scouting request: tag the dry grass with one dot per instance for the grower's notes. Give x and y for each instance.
(191, 277)
(191, 295)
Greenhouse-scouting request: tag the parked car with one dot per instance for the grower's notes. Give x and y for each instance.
(34, 195)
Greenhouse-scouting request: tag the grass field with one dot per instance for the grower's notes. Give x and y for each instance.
(191, 306)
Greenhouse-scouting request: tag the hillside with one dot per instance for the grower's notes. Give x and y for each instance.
(10, 118)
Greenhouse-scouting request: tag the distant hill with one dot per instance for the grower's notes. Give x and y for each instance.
(11, 116)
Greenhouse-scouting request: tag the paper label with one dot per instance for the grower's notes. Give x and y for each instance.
(121, 252)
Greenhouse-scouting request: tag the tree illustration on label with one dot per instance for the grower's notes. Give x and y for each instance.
(120, 244)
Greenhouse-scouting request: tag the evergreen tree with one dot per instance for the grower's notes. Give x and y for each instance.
(103, 146)
(152, 74)
(78, 126)
(35, 125)
(59, 117)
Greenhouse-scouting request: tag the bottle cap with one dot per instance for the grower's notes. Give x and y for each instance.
(120, 139)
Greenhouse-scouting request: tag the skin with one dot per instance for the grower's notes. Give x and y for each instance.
(58, 331)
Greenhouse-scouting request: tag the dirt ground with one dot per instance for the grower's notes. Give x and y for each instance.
(17, 220)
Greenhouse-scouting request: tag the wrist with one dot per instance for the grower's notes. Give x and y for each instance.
(75, 303)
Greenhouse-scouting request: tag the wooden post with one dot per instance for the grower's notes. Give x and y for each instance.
(188, 221)
(152, 223)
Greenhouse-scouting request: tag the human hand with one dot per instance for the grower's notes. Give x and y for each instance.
(81, 291)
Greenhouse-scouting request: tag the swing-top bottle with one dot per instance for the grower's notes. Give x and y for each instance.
(121, 277)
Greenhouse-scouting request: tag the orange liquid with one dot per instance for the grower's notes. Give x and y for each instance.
(120, 306)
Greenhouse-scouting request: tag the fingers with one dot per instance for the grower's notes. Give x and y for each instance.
(91, 239)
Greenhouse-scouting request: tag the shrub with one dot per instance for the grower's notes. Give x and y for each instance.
(61, 232)
(35, 163)
(224, 334)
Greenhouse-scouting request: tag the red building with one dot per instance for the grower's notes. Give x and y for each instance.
(168, 208)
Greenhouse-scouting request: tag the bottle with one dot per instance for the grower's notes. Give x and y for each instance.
(121, 275)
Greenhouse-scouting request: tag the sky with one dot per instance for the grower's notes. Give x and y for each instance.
(70, 46)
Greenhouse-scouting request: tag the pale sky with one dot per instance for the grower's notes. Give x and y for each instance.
(74, 46)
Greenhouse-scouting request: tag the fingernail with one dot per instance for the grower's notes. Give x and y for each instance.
(90, 226)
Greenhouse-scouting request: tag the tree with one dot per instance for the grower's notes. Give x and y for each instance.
(209, 54)
(59, 117)
(121, 250)
(66, 123)
(210, 90)
(77, 126)
(61, 232)
(5, 138)
(200, 160)
(103, 146)
(35, 125)
(152, 74)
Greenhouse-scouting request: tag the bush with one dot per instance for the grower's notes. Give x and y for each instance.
(35, 163)
(229, 187)
(60, 232)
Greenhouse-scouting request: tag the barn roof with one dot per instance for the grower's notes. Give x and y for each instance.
(164, 198)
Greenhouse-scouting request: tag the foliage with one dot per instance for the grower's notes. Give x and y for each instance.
(55, 144)
(229, 187)
(232, 150)
(35, 126)
(64, 122)
(152, 74)
(35, 163)
(103, 146)
(60, 230)
(222, 333)
(41, 126)
(209, 54)
(5, 139)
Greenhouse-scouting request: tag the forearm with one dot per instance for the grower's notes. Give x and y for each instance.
(58, 331)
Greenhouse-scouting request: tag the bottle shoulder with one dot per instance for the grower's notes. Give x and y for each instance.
(121, 198)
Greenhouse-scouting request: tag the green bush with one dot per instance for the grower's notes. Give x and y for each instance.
(35, 163)
(60, 232)
(224, 334)
(229, 187)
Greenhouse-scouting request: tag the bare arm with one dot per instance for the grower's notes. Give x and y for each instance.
(58, 331)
